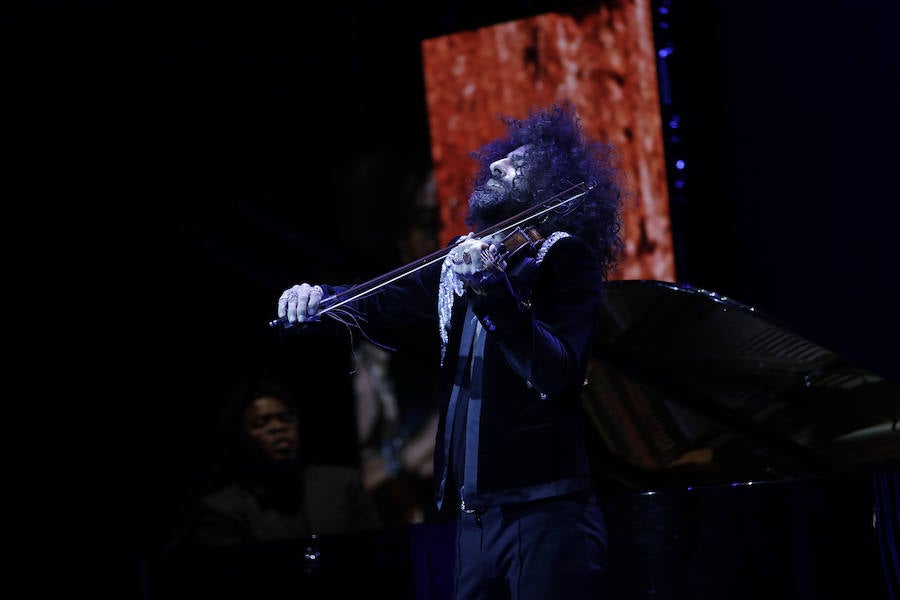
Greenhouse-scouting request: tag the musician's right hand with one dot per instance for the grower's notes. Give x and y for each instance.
(300, 303)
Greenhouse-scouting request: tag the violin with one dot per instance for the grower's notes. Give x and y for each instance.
(522, 240)
(517, 242)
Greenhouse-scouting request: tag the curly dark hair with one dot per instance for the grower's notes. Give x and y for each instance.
(559, 156)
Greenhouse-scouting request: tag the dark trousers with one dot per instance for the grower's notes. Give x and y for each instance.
(539, 550)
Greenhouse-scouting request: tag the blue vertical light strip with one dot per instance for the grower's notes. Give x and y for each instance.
(676, 163)
(887, 528)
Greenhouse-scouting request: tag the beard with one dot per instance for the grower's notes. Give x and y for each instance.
(491, 205)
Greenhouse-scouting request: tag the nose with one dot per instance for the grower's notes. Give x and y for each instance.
(502, 168)
(277, 426)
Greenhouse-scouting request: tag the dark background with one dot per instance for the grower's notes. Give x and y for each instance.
(175, 165)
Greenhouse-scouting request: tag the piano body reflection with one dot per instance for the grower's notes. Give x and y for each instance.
(733, 458)
(688, 387)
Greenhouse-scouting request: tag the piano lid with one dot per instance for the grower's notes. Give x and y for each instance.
(688, 387)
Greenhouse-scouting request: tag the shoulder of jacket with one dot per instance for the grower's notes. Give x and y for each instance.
(561, 242)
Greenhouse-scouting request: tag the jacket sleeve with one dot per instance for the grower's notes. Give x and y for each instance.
(381, 314)
(546, 338)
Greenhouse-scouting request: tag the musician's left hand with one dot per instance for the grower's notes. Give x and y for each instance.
(477, 263)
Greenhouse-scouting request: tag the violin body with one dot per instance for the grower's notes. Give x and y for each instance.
(520, 240)
(519, 248)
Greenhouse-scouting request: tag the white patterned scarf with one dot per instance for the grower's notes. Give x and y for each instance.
(451, 286)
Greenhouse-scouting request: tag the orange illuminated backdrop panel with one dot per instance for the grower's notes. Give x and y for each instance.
(603, 61)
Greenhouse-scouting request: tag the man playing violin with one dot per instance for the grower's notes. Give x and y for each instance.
(515, 312)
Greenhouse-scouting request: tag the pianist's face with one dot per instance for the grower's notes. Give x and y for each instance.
(272, 427)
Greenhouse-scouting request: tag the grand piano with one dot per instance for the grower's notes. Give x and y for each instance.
(734, 458)
(738, 458)
(687, 387)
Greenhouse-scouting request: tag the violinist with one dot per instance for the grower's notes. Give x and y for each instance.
(515, 311)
